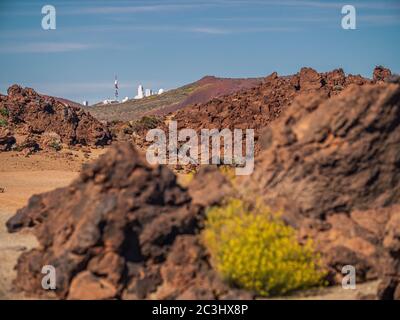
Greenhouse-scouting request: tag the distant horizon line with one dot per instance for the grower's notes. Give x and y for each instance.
(107, 85)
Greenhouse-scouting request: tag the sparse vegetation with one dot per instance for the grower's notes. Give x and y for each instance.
(4, 112)
(252, 248)
(185, 179)
(169, 101)
(146, 123)
(3, 122)
(52, 140)
(55, 145)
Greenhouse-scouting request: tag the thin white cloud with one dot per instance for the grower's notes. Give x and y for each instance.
(316, 4)
(208, 30)
(129, 9)
(60, 47)
(44, 47)
(225, 31)
(373, 19)
(81, 87)
(380, 19)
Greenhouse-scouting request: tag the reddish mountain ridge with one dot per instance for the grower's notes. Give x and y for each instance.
(200, 91)
(256, 107)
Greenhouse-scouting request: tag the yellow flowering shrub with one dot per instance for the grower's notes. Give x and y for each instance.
(254, 250)
(184, 179)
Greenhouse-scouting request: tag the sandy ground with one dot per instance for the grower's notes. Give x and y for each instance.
(21, 177)
(362, 291)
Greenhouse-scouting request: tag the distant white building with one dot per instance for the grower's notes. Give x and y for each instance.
(110, 101)
(125, 99)
(147, 92)
(140, 92)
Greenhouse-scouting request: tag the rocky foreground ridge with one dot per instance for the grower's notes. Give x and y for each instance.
(333, 168)
(127, 230)
(124, 230)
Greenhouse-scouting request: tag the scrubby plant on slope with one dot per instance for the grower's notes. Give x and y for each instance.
(4, 112)
(3, 123)
(253, 249)
(146, 123)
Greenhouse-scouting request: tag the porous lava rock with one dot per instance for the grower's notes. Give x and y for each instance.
(333, 168)
(381, 74)
(256, 107)
(29, 113)
(123, 229)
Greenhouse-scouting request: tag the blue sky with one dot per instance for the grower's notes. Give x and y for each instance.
(173, 42)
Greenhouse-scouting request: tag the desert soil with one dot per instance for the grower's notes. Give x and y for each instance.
(21, 177)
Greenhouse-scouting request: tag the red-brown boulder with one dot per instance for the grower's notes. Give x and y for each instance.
(123, 229)
(32, 113)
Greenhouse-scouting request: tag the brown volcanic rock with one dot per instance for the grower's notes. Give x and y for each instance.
(333, 166)
(381, 74)
(390, 285)
(123, 229)
(337, 155)
(310, 80)
(256, 107)
(209, 178)
(31, 113)
(6, 139)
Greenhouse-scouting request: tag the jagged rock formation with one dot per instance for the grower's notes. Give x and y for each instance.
(29, 114)
(255, 108)
(123, 229)
(335, 155)
(333, 166)
(381, 74)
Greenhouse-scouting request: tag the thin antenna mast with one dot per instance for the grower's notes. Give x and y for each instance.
(116, 87)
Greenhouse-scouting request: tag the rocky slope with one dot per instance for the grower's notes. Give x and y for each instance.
(255, 108)
(34, 121)
(333, 166)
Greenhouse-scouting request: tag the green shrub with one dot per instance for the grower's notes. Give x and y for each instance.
(146, 123)
(253, 249)
(4, 112)
(55, 145)
(3, 123)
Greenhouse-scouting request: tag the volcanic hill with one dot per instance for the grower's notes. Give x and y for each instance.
(200, 91)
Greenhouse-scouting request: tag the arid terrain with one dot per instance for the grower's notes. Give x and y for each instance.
(200, 91)
(327, 159)
(21, 177)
